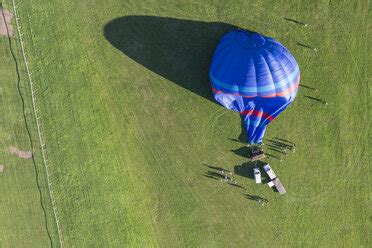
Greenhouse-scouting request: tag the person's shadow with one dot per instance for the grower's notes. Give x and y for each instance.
(176, 49)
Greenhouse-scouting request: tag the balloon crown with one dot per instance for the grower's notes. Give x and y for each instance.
(249, 39)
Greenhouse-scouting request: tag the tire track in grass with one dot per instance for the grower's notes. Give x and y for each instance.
(336, 23)
(27, 125)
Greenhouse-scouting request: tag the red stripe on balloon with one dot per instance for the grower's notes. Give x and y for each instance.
(258, 114)
(289, 90)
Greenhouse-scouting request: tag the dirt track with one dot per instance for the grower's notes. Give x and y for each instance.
(8, 18)
(19, 153)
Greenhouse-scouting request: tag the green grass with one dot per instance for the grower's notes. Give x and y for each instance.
(128, 133)
(23, 222)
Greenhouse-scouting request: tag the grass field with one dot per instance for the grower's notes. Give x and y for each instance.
(130, 126)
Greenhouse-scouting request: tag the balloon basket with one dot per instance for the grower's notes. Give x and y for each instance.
(256, 153)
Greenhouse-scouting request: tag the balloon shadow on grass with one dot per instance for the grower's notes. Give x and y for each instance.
(246, 170)
(243, 134)
(243, 151)
(176, 49)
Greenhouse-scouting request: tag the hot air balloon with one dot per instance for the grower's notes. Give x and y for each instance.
(254, 75)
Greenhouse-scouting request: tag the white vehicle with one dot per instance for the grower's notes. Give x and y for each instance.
(257, 174)
(271, 184)
(269, 171)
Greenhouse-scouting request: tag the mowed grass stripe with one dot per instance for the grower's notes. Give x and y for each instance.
(22, 218)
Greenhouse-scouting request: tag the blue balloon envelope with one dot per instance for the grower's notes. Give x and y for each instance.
(254, 75)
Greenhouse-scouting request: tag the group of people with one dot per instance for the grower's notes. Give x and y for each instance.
(227, 178)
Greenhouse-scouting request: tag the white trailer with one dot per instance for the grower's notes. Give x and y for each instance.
(279, 186)
(269, 171)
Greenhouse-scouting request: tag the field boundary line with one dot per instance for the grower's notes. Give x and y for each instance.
(38, 125)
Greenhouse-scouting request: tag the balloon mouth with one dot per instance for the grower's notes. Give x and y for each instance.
(249, 40)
